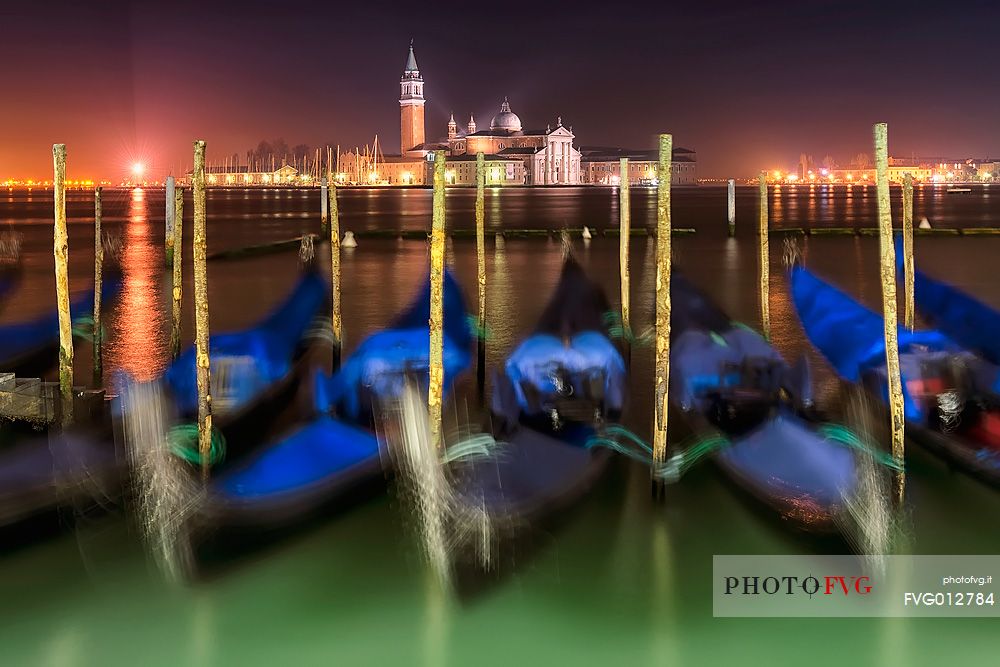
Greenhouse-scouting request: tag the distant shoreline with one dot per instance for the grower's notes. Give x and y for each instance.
(706, 183)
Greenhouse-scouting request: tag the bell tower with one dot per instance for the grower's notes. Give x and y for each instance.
(411, 105)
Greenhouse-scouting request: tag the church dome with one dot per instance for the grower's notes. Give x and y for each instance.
(506, 119)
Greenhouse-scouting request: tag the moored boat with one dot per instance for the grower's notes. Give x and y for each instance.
(325, 462)
(949, 395)
(744, 405)
(963, 318)
(31, 348)
(559, 387)
(247, 364)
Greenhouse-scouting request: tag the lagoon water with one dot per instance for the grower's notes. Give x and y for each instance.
(626, 581)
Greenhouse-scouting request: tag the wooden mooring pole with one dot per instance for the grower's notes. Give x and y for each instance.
(481, 270)
(435, 392)
(177, 291)
(324, 207)
(908, 307)
(337, 323)
(887, 253)
(98, 286)
(201, 326)
(624, 232)
(60, 250)
(731, 206)
(663, 259)
(764, 261)
(168, 241)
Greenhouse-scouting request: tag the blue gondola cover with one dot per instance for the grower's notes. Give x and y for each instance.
(379, 366)
(246, 362)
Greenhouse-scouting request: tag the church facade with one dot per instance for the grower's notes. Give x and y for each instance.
(548, 156)
(514, 155)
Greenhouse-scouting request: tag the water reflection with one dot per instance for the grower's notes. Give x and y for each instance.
(203, 630)
(435, 621)
(139, 344)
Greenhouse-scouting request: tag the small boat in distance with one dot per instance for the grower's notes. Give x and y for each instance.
(958, 191)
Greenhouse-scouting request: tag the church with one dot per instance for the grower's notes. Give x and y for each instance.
(548, 155)
(514, 155)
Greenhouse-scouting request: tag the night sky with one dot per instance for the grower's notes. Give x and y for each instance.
(748, 85)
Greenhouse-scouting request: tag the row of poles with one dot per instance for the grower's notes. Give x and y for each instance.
(887, 270)
(330, 222)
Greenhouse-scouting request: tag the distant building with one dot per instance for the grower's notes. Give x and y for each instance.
(500, 170)
(242, 176)
(805, 165)
(514, 155)
(411, 108)
(401, 170)
(602, 166)
(548, 155)
(517, 155)
(989, 170)
(896, 173)
(923, 169)
(385, 170)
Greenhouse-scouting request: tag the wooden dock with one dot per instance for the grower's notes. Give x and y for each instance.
(37, 403)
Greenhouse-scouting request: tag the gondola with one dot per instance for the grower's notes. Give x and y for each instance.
(332, 459)
(11, 266)
(43, 475)
(247, 365)
(10, 273)
(964, 319)
(557, 389)
(42, 471)
(31, 348)
(949, 395)
(736, 397)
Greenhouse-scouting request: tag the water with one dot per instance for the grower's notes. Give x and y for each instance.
(626, 581)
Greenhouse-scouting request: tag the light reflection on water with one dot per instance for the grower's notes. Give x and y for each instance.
(138, 342)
